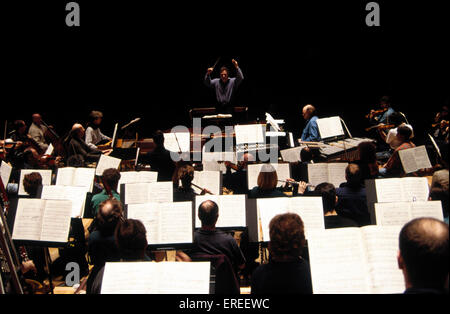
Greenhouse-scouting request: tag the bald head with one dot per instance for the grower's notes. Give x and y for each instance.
(78, 129)
(208, 212)
(424, 252)
(36, 118)
(308, 111)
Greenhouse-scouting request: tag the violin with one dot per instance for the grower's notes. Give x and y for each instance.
(380, 127)
(376, 112)
(443, 124)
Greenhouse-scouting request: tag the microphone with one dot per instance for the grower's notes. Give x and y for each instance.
(130, 123)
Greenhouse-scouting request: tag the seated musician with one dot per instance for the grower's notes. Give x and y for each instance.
(396, 119)
(287, 271)
(376, 117)
(311, 131)
(110, 180)
(93, 135)
(185, 192)
(23, 143)
(31, 183)
(329, 199)
(393, 167)
(131, 239)
(74, 145)
(159, 159)
(367, 162)
(237, 181)
(267, 184)
(37, 131)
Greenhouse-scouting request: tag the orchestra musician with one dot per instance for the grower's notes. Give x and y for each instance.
(382, 115)
(37, 131)
(74, 144)
(225, 87)
(396, 120)
(94, 136)
(311, 131)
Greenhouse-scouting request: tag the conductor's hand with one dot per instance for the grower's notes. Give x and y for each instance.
(235, 63)
(209, 70)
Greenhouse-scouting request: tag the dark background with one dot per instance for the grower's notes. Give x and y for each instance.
(147, 59)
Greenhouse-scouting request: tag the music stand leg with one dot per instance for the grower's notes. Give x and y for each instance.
(47, 264)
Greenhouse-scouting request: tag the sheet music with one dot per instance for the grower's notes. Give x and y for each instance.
(291, 154)
(427, 209)
(148, 214)
(250, 133)
(381, 252)
(310, 210)
(156, 278)
(283, 173)
(42, 220)
(69, 176)
(208, 180)
(337, 261)
(415, 189)
(138, 177)
(414, 159)
(330, 127)
(175, 141)
(49, 150)
(389, 190)
(56, 220)
(317, 173)
(336, 173)
(231, 209)
(160, 192)
(76, 194)
(106, 162)
(136, 193)
(176, 222)
(5, 172)
(45, 174)
(28, 221)
(392, 214)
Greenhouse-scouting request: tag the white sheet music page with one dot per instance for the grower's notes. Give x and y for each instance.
(45, 174)
(317, 173)
(160, 192)
(336, 173)
(267, 208)
(28, 221)
(389, 190)
(130, 278)
(338, 261)
(291, 154)
(149, 215)
(209, 180)
(138, 177)
(84, 177)
(5, 171)
(231, 209)
(56, 221)
(310, 210)
(414, 159)
(156, 278)
(330, 127)
(415, 189)
(64, 175)
(106, 162)
(75, 194)
(427, 209)
(381, 251)
(136, 193)
(175, 142)
(250, 133)
(392, 214)
(175, 222)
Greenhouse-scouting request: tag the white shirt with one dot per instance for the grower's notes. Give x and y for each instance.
(94, 136)
(391, 137)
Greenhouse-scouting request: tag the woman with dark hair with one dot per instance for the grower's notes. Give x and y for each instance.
(286, 272)
(367, 161)
(184, 174)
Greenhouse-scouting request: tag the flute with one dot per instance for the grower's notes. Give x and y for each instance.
(199, 187)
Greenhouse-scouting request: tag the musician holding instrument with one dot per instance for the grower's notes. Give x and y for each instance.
(159, 158)
(381, 115)
(185, 192)
(110, 181)
(37, 131)
(396, 120)
(311, 131)
(94, 135)
(225, 86)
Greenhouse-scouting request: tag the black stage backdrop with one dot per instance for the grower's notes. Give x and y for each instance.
(147, 59)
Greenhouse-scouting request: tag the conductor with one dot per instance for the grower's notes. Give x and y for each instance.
(224, 86)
